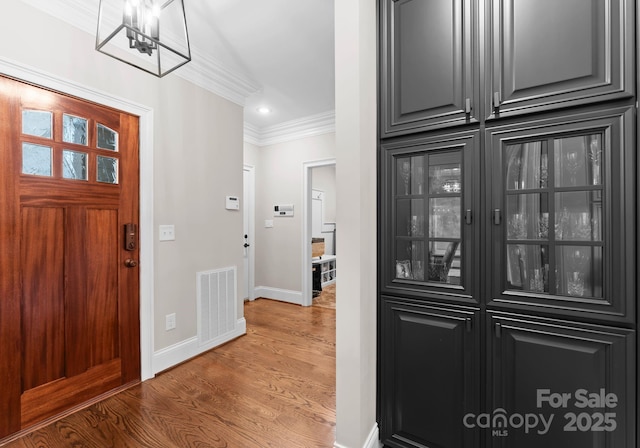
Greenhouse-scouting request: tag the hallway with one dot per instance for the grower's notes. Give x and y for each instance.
(274, 387)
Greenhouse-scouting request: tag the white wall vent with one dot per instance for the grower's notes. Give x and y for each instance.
(217, 304)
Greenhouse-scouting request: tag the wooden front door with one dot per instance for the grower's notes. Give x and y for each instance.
(69, 285)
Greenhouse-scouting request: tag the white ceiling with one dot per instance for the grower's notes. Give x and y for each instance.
(273, 53)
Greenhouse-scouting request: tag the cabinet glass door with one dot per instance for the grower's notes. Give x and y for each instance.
(566, 214)
(429, 217)
(554, 224)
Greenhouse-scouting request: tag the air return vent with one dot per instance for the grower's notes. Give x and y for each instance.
(216, 304)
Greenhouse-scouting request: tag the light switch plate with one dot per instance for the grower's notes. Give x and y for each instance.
(167, 232)
(268, 223)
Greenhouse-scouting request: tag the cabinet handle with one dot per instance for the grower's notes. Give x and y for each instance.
(498, 330)
(496, 100)
(467, 106)
(468, 217)
(469, 324)
(497, 216)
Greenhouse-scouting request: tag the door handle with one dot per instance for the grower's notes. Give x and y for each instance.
(247, 244)
(130, 263)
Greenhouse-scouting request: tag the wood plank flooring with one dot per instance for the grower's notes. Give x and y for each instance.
(274, 387)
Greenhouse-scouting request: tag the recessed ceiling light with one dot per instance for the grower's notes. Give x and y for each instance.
(264, 110)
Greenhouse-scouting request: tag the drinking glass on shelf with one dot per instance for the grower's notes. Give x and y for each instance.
(405, 172)
(572, 163)
(536, 283)
(575, 284)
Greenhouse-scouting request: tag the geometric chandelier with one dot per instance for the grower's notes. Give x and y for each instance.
(148, 34)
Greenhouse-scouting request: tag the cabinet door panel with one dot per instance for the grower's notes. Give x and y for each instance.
(426, 71)
(429, 231)
(550, 54)
(562, 371)
(429, 381)
(563, 241)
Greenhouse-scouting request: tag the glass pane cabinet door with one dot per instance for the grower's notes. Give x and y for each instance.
(429, 217)
(563, 219)
(571, 201)
(427, 200)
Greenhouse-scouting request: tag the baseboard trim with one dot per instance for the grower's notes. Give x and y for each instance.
(187, 349)
(283, 295)
(371, 442)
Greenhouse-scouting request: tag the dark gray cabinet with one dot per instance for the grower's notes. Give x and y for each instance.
(549, 55)
(573, 384)
(429, 386)
(427, 67)
(507, 242)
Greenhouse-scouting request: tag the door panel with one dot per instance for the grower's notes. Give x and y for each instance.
(43, 344)
(430, 356)
(529, 355)
(427, 74)
(65, 217)
(554, 54)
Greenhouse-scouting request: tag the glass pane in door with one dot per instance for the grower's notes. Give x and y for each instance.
(527, 166)
(579, 271)
(578, 161)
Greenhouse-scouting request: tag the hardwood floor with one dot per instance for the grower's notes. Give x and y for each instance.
(274, 387)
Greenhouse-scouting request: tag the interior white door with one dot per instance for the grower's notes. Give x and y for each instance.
(247, 200)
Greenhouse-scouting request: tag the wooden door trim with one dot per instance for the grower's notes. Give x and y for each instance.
(66, 86)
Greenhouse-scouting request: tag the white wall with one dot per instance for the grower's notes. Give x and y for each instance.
(197, 156)
(323, 178)
(355, 29)
(279, 177)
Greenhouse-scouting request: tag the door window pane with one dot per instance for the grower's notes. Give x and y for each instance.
(107, 138)
(36, 159)
(444, 262)
(107, 170)
(74, 130)
(445, 173)
(38, 123)
(74, 165)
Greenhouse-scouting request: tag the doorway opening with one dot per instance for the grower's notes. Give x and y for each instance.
(324, 171)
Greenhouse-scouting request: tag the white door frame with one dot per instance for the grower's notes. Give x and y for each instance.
(40, 77)
(249, 170)
(307, 294)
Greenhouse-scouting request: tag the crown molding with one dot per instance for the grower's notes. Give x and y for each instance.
(311, 126)
(202, 71)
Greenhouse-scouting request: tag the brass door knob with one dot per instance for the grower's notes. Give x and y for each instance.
(130, 263)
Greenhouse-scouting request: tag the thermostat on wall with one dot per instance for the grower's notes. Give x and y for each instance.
(233, 203)
(283, 210)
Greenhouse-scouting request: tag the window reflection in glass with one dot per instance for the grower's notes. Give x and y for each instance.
(579, 271)
(527, 166)
(37, 123)
(410, 260)
(527, 217)
(578, 216)
(36, 160)
(107, 170)
(74, 130)
(74, 165)
(445, 173)
(528, 267)
(444, 262)
(578, 161)
(444, 217)
(410, 217)
(107, 138)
